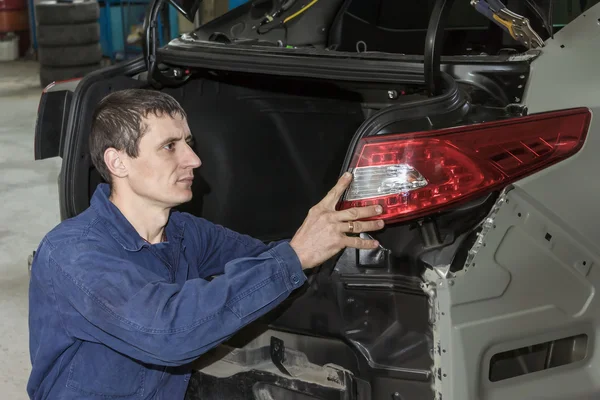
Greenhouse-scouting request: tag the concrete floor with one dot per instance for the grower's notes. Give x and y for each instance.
(28, 209)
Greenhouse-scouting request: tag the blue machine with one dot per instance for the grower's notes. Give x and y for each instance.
(117, 17)
(236, 3)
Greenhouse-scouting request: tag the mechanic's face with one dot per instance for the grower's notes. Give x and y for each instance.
(164, 169)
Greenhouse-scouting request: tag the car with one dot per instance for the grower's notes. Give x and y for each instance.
(476, 140)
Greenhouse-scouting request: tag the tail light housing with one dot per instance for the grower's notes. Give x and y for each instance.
(418, 174)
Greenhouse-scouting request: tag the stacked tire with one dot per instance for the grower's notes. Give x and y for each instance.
(68, 36)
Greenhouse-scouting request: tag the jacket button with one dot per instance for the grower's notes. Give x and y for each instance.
(295, 279)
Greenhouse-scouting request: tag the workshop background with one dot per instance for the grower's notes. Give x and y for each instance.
(33, 37)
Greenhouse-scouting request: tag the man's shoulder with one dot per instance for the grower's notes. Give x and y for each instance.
(87, 226)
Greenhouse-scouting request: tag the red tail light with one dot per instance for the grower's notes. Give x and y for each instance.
(418, 174)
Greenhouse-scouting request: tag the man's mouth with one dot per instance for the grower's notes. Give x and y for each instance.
(188, 180)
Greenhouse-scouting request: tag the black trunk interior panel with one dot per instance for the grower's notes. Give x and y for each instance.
(267, 156)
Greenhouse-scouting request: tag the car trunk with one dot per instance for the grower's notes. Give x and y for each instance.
(271, 148)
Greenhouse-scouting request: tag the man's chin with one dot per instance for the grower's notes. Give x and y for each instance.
(184, 196)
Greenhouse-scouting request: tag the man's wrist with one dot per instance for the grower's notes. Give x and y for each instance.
(290, 261)
(303, 261)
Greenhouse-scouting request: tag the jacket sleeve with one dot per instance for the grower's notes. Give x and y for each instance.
(218, 245)
(107, 299)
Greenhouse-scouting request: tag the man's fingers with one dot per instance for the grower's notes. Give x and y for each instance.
(336, 192)
(361, 226)
(358, 243)
(358, 213)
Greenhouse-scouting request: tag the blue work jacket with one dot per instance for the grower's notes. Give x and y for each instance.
(112, 316)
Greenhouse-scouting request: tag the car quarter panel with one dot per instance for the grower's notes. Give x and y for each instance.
(531, 277)
(566, 75)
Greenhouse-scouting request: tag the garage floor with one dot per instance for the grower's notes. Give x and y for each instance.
(28, 209)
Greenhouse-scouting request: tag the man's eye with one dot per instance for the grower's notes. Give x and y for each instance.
(169, 146)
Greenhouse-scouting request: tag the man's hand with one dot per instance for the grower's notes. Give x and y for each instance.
(323, 233)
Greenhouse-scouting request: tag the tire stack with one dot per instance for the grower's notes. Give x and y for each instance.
(68, 36)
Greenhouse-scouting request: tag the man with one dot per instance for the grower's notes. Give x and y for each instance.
(120, 296)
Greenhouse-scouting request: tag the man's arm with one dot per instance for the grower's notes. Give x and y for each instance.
(107, 299)
(220, 245)
(321, 236)
(119, 304)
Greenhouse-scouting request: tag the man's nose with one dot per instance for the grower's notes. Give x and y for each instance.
(191, 159)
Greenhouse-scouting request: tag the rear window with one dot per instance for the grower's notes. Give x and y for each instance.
(399, 26)
(414, 14)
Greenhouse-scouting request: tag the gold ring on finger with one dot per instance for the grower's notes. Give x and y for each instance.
(351, 226)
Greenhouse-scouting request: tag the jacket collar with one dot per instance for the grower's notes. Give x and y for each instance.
(120, 228)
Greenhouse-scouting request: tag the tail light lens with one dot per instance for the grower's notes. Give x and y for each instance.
(418, 174)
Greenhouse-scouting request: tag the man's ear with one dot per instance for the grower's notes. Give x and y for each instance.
(113, 159)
